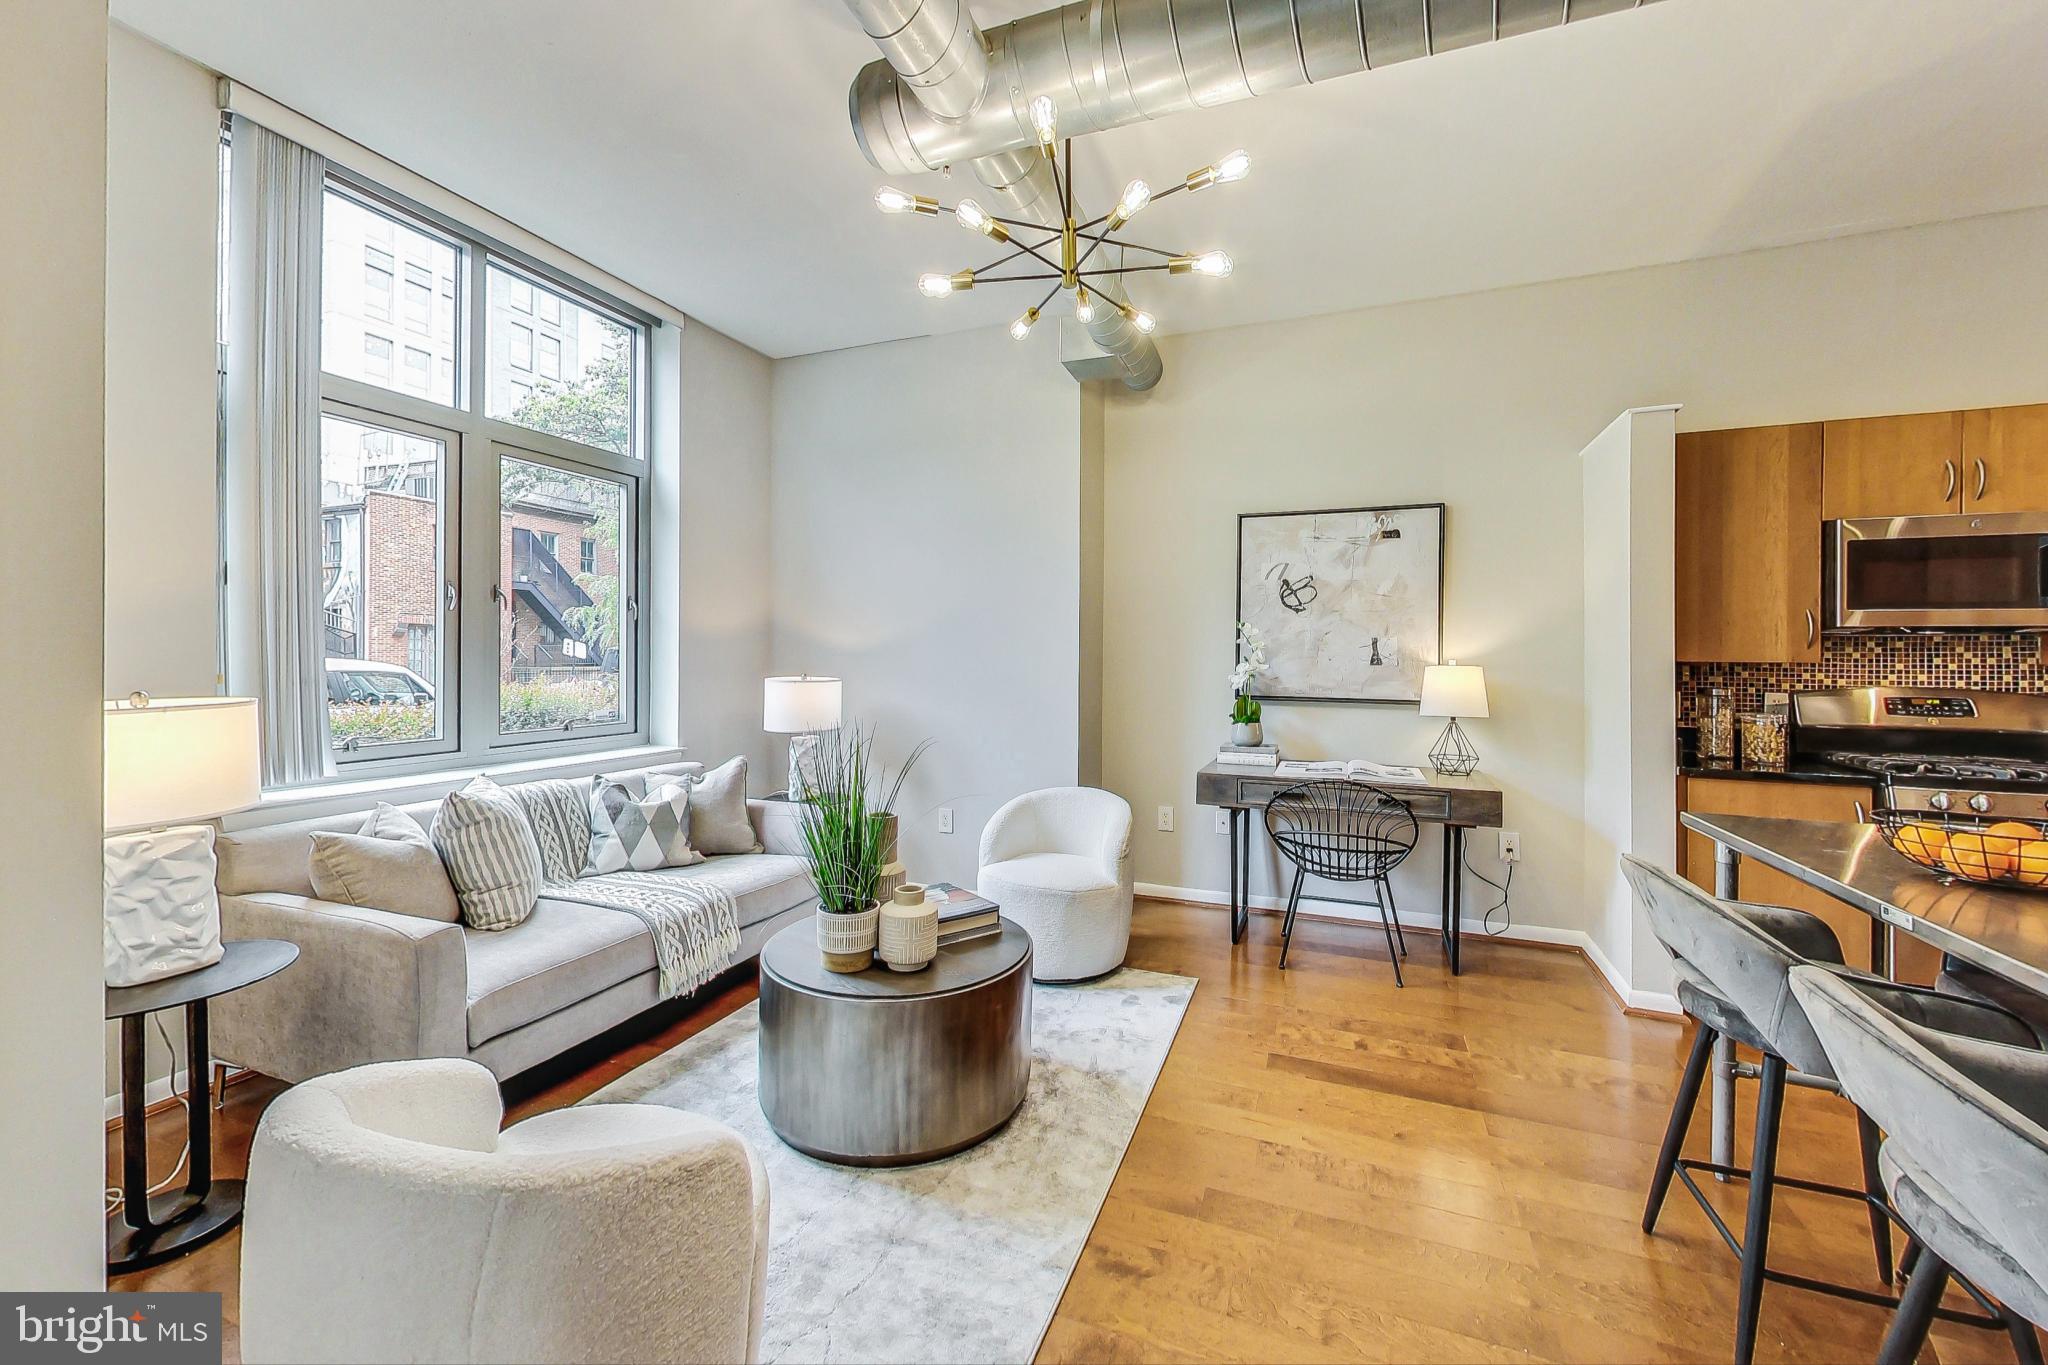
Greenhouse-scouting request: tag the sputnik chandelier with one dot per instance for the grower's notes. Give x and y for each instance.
(1070, 270)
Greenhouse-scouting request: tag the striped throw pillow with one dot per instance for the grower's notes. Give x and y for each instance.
(638, 834)
(491, 854)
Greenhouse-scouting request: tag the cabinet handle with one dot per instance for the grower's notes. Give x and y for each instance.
(1980, 479)
(1950, 467)
(1812, 626)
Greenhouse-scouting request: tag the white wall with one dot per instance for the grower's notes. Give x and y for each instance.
(1483, 402)
(725, 599)
(53, 213)
(927, 500)
(1628, 712)
(163, 188)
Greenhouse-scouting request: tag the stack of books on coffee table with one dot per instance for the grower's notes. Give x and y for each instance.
(1249, 755)
(963, 915)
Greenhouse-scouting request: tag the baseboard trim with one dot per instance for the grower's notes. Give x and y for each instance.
(1649, 1004)
(165, 1092)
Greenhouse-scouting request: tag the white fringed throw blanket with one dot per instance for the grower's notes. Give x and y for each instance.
(696, 925)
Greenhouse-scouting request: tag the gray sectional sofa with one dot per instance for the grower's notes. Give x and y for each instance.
(372, 986)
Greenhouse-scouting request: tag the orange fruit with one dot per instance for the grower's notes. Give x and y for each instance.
(1923, 843)
(1975, 856)
(2008, 835)
(2030, 862)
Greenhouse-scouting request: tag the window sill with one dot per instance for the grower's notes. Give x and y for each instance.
(341, 797)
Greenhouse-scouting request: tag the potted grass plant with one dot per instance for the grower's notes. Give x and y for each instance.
(846, 831)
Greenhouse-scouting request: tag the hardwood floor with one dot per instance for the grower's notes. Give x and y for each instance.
(1333, 1169)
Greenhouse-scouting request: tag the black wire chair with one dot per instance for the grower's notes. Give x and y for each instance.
(1343, 831)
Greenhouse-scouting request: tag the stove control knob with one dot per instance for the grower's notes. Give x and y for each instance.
(1938, 801)
(1980, 803)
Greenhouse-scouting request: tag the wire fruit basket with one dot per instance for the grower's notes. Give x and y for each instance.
(1981, 849)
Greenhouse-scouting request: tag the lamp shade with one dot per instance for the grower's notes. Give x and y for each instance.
(177, 759)
(795, 706)
(1453, 690)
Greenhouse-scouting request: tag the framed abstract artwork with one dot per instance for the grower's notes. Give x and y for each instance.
(1349, 601)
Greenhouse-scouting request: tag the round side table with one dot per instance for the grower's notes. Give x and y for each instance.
(147, 1231)
(882, 1068)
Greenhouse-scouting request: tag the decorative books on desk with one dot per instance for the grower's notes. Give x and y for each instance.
(1356, 769)
(963, 915)
(1250, 755)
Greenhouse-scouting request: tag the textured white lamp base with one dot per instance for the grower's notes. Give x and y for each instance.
(162, 914)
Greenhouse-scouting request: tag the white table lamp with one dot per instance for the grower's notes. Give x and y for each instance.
(170, 759)
(1454, 690)
(800, 707)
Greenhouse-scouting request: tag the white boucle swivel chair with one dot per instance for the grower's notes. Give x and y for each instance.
(389, 1219)
(1059, 864)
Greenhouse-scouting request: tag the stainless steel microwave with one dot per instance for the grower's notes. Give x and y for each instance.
(1938, 573)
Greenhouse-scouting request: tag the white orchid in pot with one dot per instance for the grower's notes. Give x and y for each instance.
(1251, 665)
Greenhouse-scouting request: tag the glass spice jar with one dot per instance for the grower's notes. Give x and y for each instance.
(1717, 728)
(1763, 740)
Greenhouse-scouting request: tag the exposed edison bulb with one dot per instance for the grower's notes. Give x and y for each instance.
(974, 216)
(1044, 120)
(1215, 264)
(1021, 328)
(1084, 305)
(889, 199)
(1235, 166)
(935, 286)
(1144, 321)
(1137, 194)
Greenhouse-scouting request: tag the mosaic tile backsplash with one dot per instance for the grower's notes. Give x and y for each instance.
(1992, 662)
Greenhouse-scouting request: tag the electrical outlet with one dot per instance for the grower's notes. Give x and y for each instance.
(1166, 819)
(945, 819)
(1223, 820)
(1510, 847)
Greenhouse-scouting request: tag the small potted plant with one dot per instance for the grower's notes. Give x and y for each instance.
(1251, 663)
(845, 821)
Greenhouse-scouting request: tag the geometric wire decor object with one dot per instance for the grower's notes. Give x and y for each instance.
(1077, 242)
(1453, 754)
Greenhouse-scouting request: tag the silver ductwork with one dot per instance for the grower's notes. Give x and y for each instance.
(1107, 63)
(933, 47)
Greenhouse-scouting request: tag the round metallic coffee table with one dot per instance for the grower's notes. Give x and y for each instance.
(882, 1068)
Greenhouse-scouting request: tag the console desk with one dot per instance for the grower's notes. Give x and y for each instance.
(1455, 803)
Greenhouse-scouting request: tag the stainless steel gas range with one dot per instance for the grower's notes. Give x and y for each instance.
(1981, 752)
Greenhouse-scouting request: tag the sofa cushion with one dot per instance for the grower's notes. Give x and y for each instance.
(565, 952)
(558, 955)
(389, 865)
(491, 854)
(761, 884)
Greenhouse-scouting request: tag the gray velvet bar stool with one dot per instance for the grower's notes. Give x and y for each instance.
(1734, 961)
(1965, 1155)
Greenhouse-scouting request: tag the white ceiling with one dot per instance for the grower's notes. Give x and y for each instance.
(701, 149)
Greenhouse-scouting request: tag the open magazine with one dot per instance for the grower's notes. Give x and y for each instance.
(1357, 769)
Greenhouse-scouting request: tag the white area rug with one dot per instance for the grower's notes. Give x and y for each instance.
(958, 1260)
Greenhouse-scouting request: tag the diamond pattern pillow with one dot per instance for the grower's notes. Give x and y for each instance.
(638, 834)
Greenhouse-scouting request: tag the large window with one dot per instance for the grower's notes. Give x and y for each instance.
(483, 496)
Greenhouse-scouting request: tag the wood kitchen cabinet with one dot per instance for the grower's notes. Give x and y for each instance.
(1893, 466)
(1748, 545)
(1912, 959)
(2005, 459)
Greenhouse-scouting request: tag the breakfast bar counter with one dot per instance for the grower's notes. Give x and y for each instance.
(2002, 931)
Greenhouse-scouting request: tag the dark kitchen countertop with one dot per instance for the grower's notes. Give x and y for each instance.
(1821, 773)
(1825, 774)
